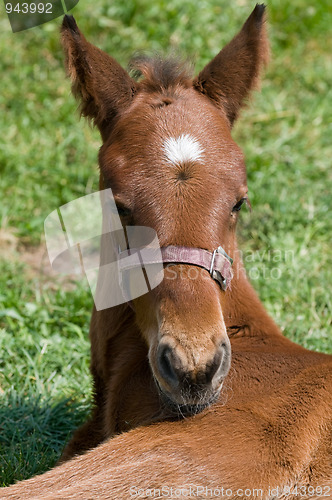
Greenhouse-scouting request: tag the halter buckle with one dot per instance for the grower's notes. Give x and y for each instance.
(216, 275)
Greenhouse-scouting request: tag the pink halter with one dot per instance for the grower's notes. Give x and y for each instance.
(217, 263)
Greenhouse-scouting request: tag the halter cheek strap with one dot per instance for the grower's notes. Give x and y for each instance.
(217, 263)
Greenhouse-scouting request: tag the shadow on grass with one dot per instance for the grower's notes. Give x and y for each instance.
(33, 433)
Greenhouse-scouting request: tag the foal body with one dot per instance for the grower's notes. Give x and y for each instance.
(269, 433)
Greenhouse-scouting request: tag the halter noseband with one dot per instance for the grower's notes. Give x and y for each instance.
(217, 263)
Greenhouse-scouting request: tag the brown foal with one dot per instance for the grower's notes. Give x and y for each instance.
(256, 426)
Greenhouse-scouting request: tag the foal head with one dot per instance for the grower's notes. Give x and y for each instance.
(172, 165)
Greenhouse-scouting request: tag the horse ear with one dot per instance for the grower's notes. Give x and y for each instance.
(103, 87)
(228, 79)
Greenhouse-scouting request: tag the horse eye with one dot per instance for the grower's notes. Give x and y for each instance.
(123, 211)
(238, 205)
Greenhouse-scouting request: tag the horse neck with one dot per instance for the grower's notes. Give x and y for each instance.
(244, 313)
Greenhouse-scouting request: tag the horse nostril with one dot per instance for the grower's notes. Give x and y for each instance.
(220, 364)
(165, 365)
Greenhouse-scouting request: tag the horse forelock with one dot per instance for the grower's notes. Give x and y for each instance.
(157, 74)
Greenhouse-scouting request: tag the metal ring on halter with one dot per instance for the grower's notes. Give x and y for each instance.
(216, 275)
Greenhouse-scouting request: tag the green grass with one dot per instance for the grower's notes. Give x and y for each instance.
(48, 157)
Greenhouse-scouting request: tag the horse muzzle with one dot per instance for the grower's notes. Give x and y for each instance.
(189, 388)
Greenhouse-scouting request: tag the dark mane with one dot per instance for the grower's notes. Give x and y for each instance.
(157, 74)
